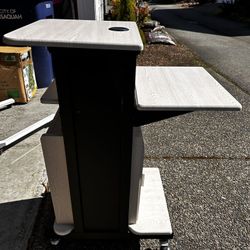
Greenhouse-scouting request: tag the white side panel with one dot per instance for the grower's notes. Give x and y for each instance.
(50, 96)
(55, 160)
(136, 174)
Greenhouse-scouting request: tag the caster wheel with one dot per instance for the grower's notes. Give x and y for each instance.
(164, 245)
(55, 241)
(164, 248)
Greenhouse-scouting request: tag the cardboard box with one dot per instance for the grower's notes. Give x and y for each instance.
(17, 75)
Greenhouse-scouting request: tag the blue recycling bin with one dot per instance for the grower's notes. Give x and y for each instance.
(15, 14)
(41, 56)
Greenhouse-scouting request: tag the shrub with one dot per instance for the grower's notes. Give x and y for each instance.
(124, 10)
(142, 13)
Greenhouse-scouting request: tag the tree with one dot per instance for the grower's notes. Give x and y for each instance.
(124, 10)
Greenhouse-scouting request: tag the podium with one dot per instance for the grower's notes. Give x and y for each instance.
(103, 100)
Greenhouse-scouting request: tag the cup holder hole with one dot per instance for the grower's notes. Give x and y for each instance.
(119, 29)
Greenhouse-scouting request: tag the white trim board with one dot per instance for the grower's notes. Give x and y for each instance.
(26, 131)
(6, 103)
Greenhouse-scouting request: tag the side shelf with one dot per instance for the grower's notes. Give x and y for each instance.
(50, 95)
(153, 217)
(180, 89)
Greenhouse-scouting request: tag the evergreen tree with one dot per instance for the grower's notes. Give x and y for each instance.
(127, 10)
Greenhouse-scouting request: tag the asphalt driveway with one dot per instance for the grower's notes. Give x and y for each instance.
(204, 160)
(204, 157)
(223, 44)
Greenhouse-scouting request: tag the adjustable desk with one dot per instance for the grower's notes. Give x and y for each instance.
(101, 123)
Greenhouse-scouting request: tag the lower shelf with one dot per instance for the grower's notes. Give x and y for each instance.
(153, 217)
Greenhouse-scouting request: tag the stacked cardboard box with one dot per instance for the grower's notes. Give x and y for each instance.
(17, 77)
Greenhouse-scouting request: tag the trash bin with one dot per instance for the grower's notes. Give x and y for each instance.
(42, 57)
(15, 14)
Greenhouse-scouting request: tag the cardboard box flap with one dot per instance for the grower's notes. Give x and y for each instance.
(14, 54)
(12, 50)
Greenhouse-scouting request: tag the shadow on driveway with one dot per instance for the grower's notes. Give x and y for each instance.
(16, 223)
(197, 19)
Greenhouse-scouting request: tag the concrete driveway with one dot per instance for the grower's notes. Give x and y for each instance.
(23, 175)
